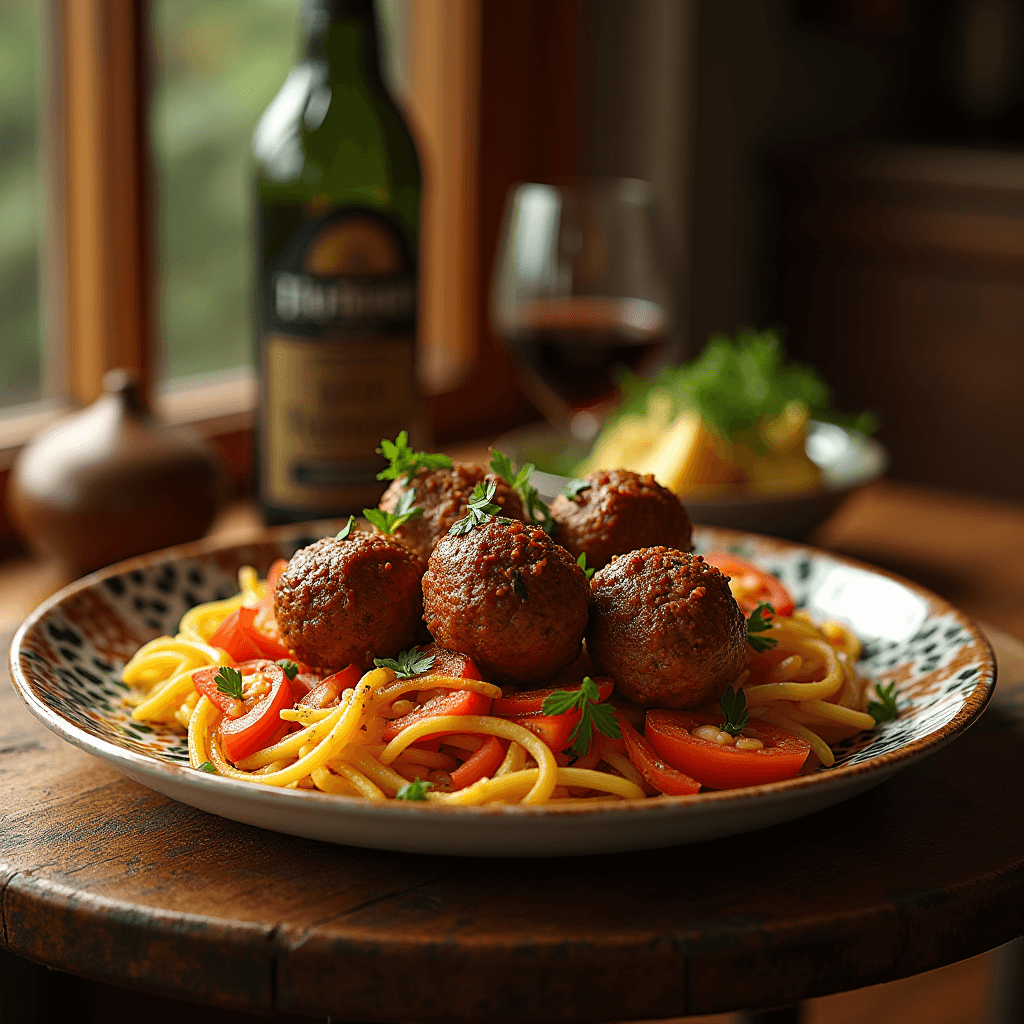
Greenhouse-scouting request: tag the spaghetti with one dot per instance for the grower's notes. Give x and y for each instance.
(382, 733)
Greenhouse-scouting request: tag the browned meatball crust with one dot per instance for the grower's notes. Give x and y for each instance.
(620, 511)
(665, 626)
(344, 602)
(444, 495)
(507, 596)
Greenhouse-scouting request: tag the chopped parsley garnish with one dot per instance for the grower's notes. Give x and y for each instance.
(733, 705)
(481, 508)
(885, 709)
(573, 488)
(408, 663)
(415, 790)
(582, 563)
(592, 714)
(537, 513)
(759, 623)
(405, 462)
(343, 533)
(289, 668)
(229, 681)
(519, 585)
(207, 766)
(388, 522)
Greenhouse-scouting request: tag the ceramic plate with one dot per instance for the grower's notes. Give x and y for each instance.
(847, 460)
(67, 657)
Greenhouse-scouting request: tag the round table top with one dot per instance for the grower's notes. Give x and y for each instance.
(102, 877)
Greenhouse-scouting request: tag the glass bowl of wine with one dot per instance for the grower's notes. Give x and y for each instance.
(579, 293)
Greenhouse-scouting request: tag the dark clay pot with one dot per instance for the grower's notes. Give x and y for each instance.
(111, 481)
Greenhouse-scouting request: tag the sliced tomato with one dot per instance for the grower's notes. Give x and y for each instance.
(243, 641)
(656, 773)
(554, 730)
(757, 585)
(482, 763)
(456, 702)
(450, 663)
(722, 767)
(328, 691)
(261, 725)
(205, 682)
(531, 702)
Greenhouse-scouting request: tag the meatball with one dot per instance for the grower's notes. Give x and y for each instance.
(507, 596)
(620, 511)
(444, 495)
(665, 626)
(344, 602)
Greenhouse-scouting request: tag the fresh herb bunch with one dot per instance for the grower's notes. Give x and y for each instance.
(229, 681)
(343, 533)
(760, 623)
(733, 384)
(405, 462)
(388, 522)
(733, 705)
(582, 563)
(537, 512)
(592, 714)
(885, 709)
(574, 488)
(408, 663)
(481, 508)
(415, 790)
(288, 667)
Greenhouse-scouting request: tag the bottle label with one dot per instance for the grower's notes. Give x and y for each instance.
(338, 362)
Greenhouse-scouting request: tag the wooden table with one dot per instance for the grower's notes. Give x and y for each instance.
(104, 878)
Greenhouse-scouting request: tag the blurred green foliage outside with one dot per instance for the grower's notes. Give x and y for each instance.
(216, 67)
(19, 201)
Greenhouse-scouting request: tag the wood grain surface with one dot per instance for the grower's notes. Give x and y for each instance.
(102, 877)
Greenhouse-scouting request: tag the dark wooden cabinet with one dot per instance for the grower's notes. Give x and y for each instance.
(901, 275)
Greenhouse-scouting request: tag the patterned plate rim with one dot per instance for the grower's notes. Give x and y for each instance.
(887, 763)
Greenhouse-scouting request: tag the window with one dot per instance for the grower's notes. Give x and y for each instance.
(20, 346)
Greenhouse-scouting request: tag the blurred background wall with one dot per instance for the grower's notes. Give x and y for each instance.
(850, 170)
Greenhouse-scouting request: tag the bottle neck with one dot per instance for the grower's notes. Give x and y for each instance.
(343, 35)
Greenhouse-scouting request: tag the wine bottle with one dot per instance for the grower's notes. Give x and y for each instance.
(337, 207)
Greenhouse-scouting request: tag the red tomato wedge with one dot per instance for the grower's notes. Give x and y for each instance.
(457, 702)
(719, 767)
(243, 641)
(450, 663)
(662, 777)
(482, 763)
(328, 691)
(763, 586)
(531, 702)
(261, 725)
(554, 730)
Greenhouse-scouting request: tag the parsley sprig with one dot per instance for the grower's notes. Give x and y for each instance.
(885, 709)
(344, 532)
(592, 714)
(207, 766)
(573, 488)
(481, 508)
(582, 563)
(415, 790)
(537, 512)
(408, 663)
(288, 667)
(229, 681)
(760, 623)
(406, 462)
(733, 705)
(388, 522)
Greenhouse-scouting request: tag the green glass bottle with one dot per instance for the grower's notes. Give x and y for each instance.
(337, 213)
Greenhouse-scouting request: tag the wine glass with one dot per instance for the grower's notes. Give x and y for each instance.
(579, 293)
